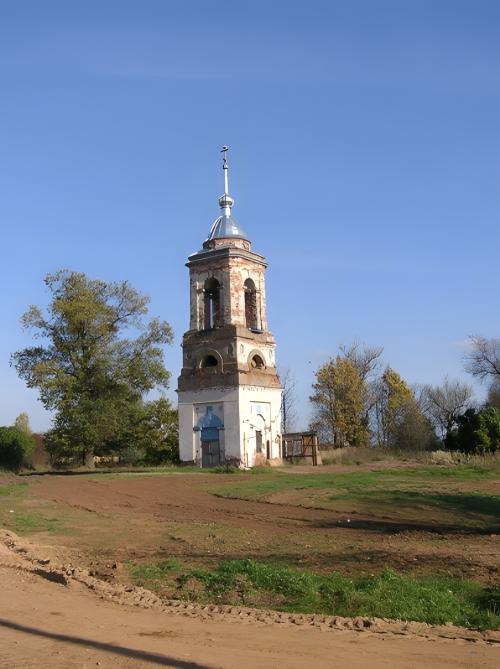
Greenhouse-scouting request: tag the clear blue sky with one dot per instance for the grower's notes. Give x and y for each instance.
(365, 164)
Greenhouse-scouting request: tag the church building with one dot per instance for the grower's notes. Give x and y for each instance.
(229, 391)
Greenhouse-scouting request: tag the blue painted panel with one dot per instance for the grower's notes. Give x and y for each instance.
(210, 434)
(209, 419)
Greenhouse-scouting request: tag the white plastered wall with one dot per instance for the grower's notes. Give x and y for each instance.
(259, 409)
(237, 409)
(191, 407)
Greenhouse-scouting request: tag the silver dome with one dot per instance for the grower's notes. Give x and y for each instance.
(226, 226)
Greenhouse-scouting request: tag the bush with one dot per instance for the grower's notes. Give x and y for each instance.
(15, 447)
(132, 455)
(477, 432)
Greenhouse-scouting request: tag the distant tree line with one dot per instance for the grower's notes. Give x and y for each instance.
(357, 401)
(98, 358)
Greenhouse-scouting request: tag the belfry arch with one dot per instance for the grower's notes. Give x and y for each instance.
(212, 306)
(251, 315)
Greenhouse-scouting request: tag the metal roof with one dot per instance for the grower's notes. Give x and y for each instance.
(226, 226)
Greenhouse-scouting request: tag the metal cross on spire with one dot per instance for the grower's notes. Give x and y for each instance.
(225, 168)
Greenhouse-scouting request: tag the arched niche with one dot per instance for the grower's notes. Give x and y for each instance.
(251, 316)
(212, 304)
(211, 360)
(256, 360)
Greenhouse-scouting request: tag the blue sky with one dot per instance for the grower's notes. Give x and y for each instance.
(365, 165)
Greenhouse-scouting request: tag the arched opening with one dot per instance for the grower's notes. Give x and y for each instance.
(257, 362)
(259, 425)
(250, 304)
(209, 361)
(258, 441)
(212, 304)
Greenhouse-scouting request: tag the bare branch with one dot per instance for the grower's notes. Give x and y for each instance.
(483, 361)
(366, 359)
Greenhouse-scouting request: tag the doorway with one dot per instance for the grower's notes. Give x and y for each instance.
(258, 441)
(210, 447)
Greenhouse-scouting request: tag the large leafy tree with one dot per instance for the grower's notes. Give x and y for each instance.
(96, 360)
(339, 403)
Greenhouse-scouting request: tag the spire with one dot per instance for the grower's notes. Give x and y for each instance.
(225, 149)
(225, 226)
(225, 201)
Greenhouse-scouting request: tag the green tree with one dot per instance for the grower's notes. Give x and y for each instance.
(15, 447)
(22, 422)
(161, 433)
(97, 360)
(339, 404)
(477, 431)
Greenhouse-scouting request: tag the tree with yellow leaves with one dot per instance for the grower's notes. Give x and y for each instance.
(339, 404)
(400, 421)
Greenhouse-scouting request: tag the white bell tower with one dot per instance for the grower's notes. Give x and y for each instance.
(229, 391)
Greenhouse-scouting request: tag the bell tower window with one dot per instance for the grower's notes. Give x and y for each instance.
(209, 361)
(212, 304)
(250, 304)
(257, 362)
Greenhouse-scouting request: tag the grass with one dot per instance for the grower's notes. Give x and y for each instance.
(33, 522)
(153, 576)
(465, 504)
(436, 495)
(12, 489)
(16, 515)
(430, 599)
(256, 487)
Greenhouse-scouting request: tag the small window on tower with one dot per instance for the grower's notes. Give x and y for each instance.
(212, 304)
(250, 304)
(257, 362)
(209, 361)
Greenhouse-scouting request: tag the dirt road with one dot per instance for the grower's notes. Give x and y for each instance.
(46, 624)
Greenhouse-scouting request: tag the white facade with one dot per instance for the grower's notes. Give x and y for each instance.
(250, 423)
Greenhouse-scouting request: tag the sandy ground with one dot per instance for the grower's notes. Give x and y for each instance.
(73, 623)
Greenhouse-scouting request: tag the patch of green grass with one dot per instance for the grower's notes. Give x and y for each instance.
(465, 507)
(457, 472)
(12, 489)
(434, 600)
(353, 482)
(153, 576)
(32, 522)
(224, 469)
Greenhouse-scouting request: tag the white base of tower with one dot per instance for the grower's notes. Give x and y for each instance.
(239, 425)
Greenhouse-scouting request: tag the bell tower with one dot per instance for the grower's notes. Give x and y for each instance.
(229, 391)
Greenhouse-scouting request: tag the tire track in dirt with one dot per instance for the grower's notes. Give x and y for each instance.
(16, 553)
